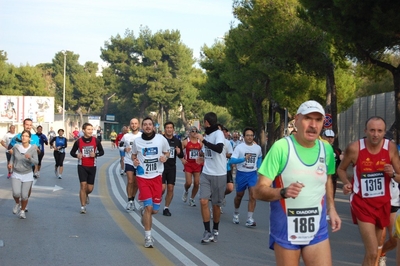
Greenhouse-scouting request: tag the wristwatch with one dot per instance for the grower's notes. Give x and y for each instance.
(394, 174)
(283, 193)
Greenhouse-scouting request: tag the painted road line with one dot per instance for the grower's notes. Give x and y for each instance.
(154, 256)
(55, 188)
(201, 256)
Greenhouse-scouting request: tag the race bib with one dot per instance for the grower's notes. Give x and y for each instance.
(86, 150)
(303, 224)
(171, 152)
(150, 165)
(207, 153)
(193, 154)
(372, 184)
(251, 162)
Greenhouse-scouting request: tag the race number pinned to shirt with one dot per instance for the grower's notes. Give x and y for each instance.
(193, 154)
(207, 153)
(251, 162)
(372, 184)
(150, 165)
(86, 150)
(171, 152)
(303, 224)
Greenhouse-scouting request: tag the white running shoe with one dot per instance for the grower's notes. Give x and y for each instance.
(148, 242)
(130, 206)
(122, 172)
(250, 222)
(83, 209)
(235, 219)
(382, 261)
(207, 237)
(192, 203)
(22, 214)
(16, 208)
(184, 196)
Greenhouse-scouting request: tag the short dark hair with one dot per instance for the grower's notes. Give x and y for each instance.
(248, 128)
(39, 126)
(27, 119)
(60, 130)
(26, 131)
(169, 123)
(85, 125)
(147, 118)
(211, 117)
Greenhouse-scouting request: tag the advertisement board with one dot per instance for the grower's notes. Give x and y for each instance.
(15, 109)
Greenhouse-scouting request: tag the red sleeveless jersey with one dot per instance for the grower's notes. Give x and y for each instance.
(370, 183)
(192, 151)
(86, 149)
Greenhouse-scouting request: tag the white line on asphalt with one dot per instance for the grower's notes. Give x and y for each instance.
(180, 256)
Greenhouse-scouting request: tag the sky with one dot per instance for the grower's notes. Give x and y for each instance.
(33, 31)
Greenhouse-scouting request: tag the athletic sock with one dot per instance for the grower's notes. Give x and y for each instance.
(207, 226)
(215, 226)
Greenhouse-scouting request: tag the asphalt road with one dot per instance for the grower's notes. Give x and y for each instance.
(55, 233)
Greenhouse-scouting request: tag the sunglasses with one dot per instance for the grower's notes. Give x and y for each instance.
(194, 131)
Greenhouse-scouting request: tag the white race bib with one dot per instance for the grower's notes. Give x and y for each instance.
(372, 184)
(303, 225)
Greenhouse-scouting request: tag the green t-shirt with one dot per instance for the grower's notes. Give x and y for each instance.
(276, 159)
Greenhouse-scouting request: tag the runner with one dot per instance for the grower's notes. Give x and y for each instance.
(169, 174)
(124, 130)
(375, 162)
(213, 176)
(247, 156)
(42, 141)
(5, 142)
(299, 167)
(59, 144)
(86, 149)
(126, 147)
(192, 169)
(113, 137)
(149, 152)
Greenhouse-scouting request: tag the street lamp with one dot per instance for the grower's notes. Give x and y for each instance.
(63, 111)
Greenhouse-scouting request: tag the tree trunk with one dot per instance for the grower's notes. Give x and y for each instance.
(331, 100)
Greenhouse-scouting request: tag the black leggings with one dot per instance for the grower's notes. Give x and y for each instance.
(59, 157)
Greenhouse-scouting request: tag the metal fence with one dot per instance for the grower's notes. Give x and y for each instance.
(351, 123)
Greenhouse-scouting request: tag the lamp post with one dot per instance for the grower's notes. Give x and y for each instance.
(63, 111)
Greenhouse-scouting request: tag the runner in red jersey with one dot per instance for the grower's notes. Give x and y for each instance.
(192, 148)
(375, 161)
(86, 149)
(124, 130)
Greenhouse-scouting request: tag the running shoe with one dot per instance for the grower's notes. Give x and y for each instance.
(59, 177)
(87, 200)
(166, 212)
(250, 222)
(192, 203)
(382, 261)
(122, 172)
(16, 208)
(129, 206)
(148, 242)
(35, 175)
(22, 214)
(9, 175)
(215, 234)
(83, 209)
(207, 237)
(184, 196)
(235, 219)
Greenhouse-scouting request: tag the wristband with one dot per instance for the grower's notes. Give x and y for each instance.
(283, 193)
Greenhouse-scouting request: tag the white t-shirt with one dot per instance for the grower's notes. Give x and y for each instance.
(149, 153)
(128, 139)
(214, 162)
(8, 137)
(241, 151)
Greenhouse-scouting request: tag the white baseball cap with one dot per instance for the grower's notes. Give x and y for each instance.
(329, 133)
(310, 107)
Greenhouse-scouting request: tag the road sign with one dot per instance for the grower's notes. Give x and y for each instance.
(328, 120)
